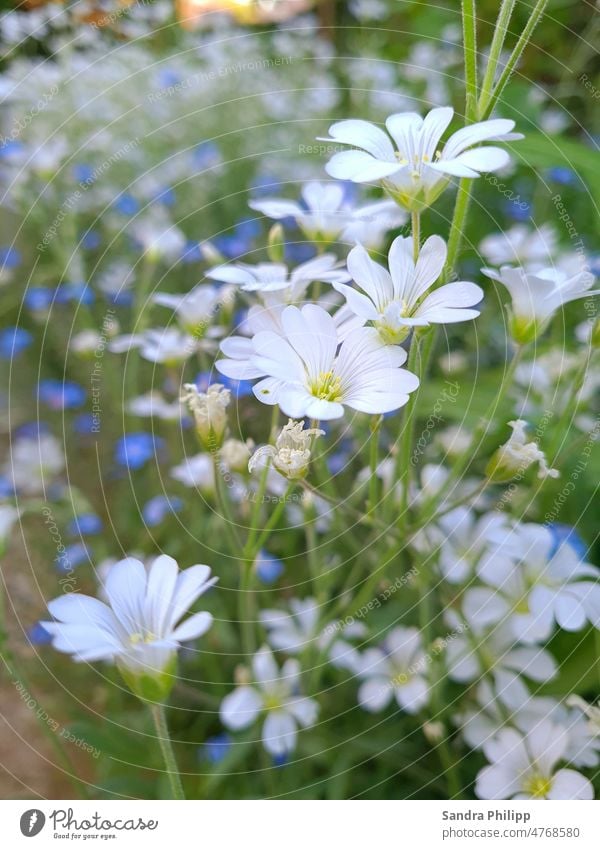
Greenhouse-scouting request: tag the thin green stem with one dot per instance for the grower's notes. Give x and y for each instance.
(485, 110)
(498, 39)
(469, 20)
(159, 718)
(415, 218)
(223, 501)
(457, 227)
(374, 463)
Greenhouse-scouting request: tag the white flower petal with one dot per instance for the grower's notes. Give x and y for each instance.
(240, 708)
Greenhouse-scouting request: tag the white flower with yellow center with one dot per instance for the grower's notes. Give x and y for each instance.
(396, 300)
(310, 374)
(524, 766)
(416, 170)
(396, 670)
(275, 694)
(138, 627)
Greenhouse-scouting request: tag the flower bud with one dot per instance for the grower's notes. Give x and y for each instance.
(276, 243)
(148, 684)
(210, 412)
(516, 456)
(292, 451)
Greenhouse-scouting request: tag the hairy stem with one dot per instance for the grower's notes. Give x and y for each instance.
(162, 732)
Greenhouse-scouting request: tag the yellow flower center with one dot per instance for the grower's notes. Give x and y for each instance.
(138, 637)
(538, 786)
(327, 387)
(272, 702)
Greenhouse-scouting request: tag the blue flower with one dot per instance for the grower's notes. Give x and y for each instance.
(13, 341)
(38, 636)
(32, 430)
(159, 508)
(215, 748)
(11, 149)
(280, 760)
(238, 388)
(518, 211)
(562, 175)
(91, 240)
(265, 185)
(6, 487)
(80, 293)
(168, 77)
(192, 252)
(126, 204)
(248, 228)
(566, 533)
(268, 567)
(71, 557)
(10, 257)
(86, 524)
(85, 423)
(83, 173)
(39, 298)
(165, 196)
(206, 154)
(296, 252)
(60, 395)
(133, 450)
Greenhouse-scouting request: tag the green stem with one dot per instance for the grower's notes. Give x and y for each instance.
(415, 218)
(457, 227)
(500, 30)
(223, 502)
(403, 465)
(162, 732)
(485, 110)
(469, 20)
(374, 463)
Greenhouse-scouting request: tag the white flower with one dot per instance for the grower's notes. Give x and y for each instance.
(326, 215)
(209, 410)
(154, 404)
(309, 374)
(159, 345)
(276, 694)
(138, 627)
(532, 248)
(462, 538)
(33, 463)
(236, 454)
(158, 237)
(416, 171)
(396, 300)
(196, 472)
(239, 349)
(537, 295)
(293, 632)
(517, 455)
(531, 586)
(275, 278)
(397, 670)
(196, 309)
(524, 766)
(292, 451)
(8, 517)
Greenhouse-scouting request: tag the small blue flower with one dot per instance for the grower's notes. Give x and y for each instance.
(60, 395)
(91, 240)
(562, 175)
(6, 488)
(167, 77)
(13, 341)
(133, 450)
(38, 636)
(126, 204)
(566, 533)
(11, 149)
(165, 196)
(192, 252)
(280, 760)
(296, 252)
(206, 155)
(86, 524)
(85, 423)
(32, 430)
(72, 556)
(215, 748)
(268, 567)
(518, 210)
(10, 257)
(159, 508)
(83, 173)
(238, 388)
(232, 247)
(39, 298)
(265, 185)
(247, 228)
(79, 293)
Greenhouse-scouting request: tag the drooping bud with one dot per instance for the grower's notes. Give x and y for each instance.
(209, 410)
(292, 451)
(516, 456)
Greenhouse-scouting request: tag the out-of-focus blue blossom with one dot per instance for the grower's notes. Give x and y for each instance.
(339, 460)
(79, 293)
(13, 341)
(268, 567)
(83, 173)
(165, 196)
(126, 204)
(168, 77)
(215, 748)
(86, 524)
(248, 228)
(594, 263)
(517, 210)
(265, 185)
(280, 760)
(206, 155)
(38, 636)
(60, 395)
(566, 533)
(6, 487)
(31, 430)
(91, 240)
(159, 508)
(192, 252)
(10, 257)
(11, 149)
(39, 298)
(72, 556)
(85, 423)
(133, 450)
(238, 388)
(297, 252)
(562, 175)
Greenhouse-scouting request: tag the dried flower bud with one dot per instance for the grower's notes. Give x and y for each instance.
(209, 410)
(292, 451)
(516, 456)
